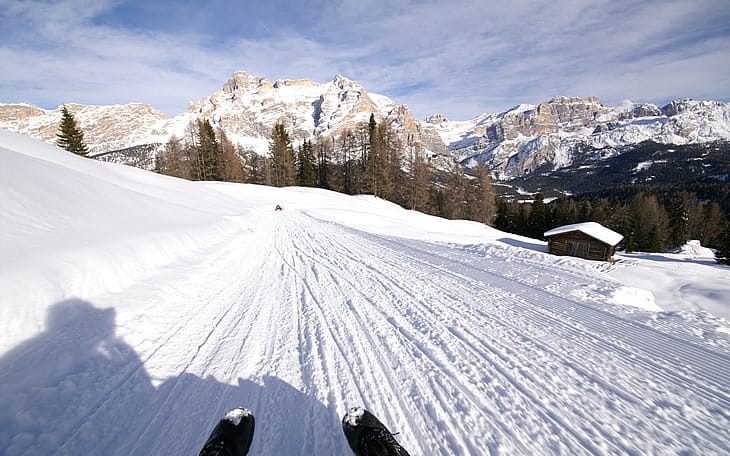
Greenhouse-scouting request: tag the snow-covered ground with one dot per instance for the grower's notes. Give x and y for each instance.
(135, 309)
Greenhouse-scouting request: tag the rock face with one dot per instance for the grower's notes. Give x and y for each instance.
(106, 128)
(246, 108)
(514, 143)
(547, 136)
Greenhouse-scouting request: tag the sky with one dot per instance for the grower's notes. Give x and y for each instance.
(458, 58)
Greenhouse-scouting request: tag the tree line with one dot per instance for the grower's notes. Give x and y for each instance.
(372, 159)
(650, 221)
(367, 159)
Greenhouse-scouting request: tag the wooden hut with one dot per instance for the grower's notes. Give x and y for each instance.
(588, 240)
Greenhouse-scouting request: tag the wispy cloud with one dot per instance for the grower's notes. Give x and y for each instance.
(459, 58)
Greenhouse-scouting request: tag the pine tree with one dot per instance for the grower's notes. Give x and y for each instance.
(455, 198)
(173, 160)
(391, 169)
(714, 224)
(537, 221)
(210, 164)
(650, 225)
(230, 159)
(306, 172)
(723, 251)
(679, 206)
(324, 153)
(371, 162)
(486, 197)
(70, 136)
(282, 157)
(419, 180)
(348, 160)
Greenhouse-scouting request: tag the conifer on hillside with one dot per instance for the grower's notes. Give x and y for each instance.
(283, 161)
(70, 136)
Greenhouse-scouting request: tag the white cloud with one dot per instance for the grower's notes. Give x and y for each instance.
(456, 58)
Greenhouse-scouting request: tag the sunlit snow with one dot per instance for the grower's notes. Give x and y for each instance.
(136, 309)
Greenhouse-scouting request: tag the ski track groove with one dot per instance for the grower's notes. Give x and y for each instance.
(427, 352)
(218, 327)
(412, 340)
(508, 361)
(110, 395)
(591, 337)
(712, 395)
(647, 341)
(386, 369)
(683, 343)
(684, 346)
(471, 394)
(328, 322)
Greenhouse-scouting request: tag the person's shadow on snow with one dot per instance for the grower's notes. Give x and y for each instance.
(77, 388)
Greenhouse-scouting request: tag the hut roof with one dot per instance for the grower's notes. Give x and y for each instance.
(592, 229)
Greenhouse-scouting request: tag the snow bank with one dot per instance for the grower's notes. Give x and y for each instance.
(72, 226)
(687, 280)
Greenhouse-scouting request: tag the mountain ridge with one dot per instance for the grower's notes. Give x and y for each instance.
(513, 143)
(529, 137)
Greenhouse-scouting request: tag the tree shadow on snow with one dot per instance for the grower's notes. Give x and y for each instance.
(77, 388)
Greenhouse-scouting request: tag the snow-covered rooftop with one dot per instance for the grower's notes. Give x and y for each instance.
(592, 229)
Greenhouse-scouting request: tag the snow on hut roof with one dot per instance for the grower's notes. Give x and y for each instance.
(592, 229)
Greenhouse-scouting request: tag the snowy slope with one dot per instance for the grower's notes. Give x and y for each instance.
(136, 309)
(527, 137)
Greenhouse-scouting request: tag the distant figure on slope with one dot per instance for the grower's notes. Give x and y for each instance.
(278, 208)
(365, 434)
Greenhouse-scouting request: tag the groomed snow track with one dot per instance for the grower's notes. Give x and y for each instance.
(460, 350)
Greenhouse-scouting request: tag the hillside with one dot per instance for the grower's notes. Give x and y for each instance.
(644, 164)
(137, 308)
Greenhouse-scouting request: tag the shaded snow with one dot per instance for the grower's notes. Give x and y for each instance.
(137, 309)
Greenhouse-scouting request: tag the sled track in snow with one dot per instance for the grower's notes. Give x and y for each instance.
(461, 350)
(697, 361)
(612, 364)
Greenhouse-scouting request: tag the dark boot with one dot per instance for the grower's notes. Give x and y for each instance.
(232, 435)
(367, 436)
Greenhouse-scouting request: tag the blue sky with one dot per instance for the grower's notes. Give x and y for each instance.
(458, 58)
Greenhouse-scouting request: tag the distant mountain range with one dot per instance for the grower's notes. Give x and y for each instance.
(246, 108)
(525, 141)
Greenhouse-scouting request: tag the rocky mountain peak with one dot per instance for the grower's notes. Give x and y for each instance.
(242, 82)
(571, 110)
(520, 140)
(294, 83)
(526, 137)
(436, 119)
(679, 106)
(106, 128)
(342, 82)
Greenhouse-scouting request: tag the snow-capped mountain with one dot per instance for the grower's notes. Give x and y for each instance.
(106, 128)
(527, 137)
(246, 108)
(514, 143)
